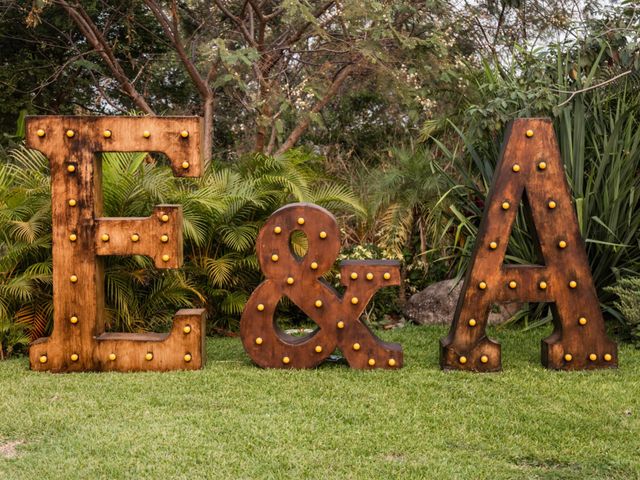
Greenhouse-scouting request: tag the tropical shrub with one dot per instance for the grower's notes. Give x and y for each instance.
(627, 290)
(25, 249)
(599, 139)
(223, 212)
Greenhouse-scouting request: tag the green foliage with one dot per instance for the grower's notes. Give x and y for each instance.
(223, 212)
(25, 249)
(627, 290)
(404, 198)
(599, 140)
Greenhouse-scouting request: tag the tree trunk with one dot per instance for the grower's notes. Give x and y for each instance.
(207, 113)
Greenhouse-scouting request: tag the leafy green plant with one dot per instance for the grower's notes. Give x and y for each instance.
(627, 290)
(223, 212)
(403, 195)
(599, 143)
(25, 249)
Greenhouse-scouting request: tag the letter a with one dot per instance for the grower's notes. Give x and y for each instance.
(530, 169)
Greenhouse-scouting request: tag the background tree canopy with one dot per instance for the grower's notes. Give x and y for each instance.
(389, 112)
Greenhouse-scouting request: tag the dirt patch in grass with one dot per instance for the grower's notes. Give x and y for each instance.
(8, 449)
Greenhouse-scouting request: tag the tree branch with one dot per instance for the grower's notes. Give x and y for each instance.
(171, 31)
(285, 41)
(238, 21)
(297, 132)
(100, 44)
(592, 87)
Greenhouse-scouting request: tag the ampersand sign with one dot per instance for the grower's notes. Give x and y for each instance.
(300, 280)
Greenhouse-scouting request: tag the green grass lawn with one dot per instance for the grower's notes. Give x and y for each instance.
(233, 420)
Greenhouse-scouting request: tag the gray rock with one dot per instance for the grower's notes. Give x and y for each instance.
(437, 303)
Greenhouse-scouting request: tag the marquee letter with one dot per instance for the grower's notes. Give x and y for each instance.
(530, 170)
(338, 317)
(81, 236)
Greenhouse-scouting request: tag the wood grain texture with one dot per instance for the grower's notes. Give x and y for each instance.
(530, 170)
(299, 279)
(81, 236)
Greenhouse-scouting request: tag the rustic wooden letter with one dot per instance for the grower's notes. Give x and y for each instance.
(80, 236)
(299, 279)
(530, 170)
